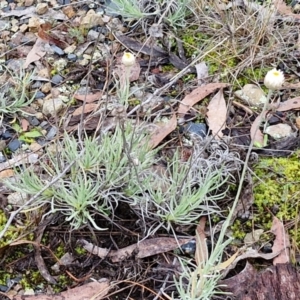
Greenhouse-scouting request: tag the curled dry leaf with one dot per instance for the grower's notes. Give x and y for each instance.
(244, 254)
(7, 173)
(289, 104)
(281, 243)
(198, 94)
(89, 97)
(84, 109)
(255, 133)
(95, 290)
(285, 10)
(45, 34)
(216, 115)
(201, 254)
(145, 248)
(162, 130)
(36, 53)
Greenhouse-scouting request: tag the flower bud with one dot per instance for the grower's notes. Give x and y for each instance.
(274, 79)
(128, 59)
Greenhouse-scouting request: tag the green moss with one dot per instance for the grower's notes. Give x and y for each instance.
(277, 191)
(193, 40)
(11, 234)
(168, 68)
(60, 250)
(80, 250)
(250, 75)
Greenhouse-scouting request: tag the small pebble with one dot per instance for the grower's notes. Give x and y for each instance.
(72, 57)
(39, 95)
(57, 50)
(199, 129)
(6, 135)
(14, 145)
(3, 288)
(2, 158)
(33, 121)
(57, 79)
(36, 85)
(20, 8)
(279, 131)
(51, 133)
(189, 248)
(41, 8)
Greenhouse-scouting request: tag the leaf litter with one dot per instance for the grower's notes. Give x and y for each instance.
(217, 119)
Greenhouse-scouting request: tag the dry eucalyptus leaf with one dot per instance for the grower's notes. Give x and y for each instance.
(198, 94)
(281, 243)
(89, 97)
(289, 104)
(201, 254)
(161, 131)
(95, 290)
(255, 133)
(216, 115)
(36, 53)
(143, 249)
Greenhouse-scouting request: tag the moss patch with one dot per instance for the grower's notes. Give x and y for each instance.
(276, 192)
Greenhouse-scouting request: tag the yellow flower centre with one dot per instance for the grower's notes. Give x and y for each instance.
(276, 73)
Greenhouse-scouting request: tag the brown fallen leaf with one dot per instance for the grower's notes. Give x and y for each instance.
(84, 109)
(216, 115)
(36, 53)
(162, 130)
(293, 103)
(281, 243)
(284, 10)
(201, 254)
(245, 253)
(7, 173)
(89, 98)
(45, 34)
(24, 124)
(95, 290)
(143, 249)
(255, 133)
(198, 94)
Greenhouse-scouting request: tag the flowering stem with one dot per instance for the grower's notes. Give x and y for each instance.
(124, 90)
(236, 199)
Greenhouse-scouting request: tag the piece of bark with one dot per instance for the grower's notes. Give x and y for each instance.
(280, 282)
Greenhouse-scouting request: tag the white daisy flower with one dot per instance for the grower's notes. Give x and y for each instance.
(128, 59)
(274, 79)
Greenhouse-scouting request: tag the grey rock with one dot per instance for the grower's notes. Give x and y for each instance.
(33, 121)
(2, 158)
(4, 25)
(52, 107)
(57, 50)
(279, 131)
(57, 79)
(6, 135)
(51, 133)
(72, 57)
(39, 95)
(199, 129)
(36, 85)
(14, 145)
